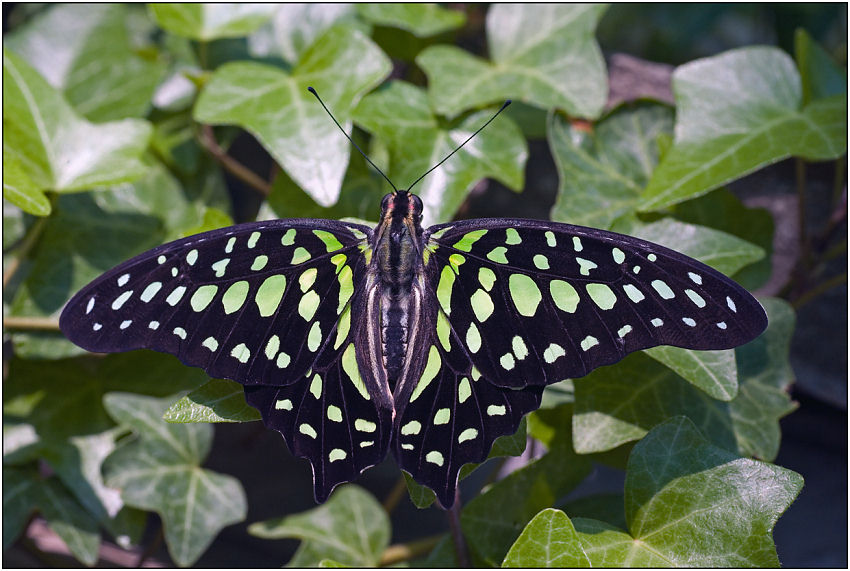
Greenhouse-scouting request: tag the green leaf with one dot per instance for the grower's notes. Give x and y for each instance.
(681, 490)
(765, 375)
(20, 500)
(400, 115)
(602, 172)
(294, 27)
(277, 109)
(493, 520)
(737, 112)
(218, 400)
(711, 371)
(85, 50)
(19, 188)
(160, 471)
(549, 540)
(619, 404)
(723, 252)
(350, 528)
(57, 149)
(819, 75)
(543, 55)
(205, 22)
(69, 521)
(421, 20)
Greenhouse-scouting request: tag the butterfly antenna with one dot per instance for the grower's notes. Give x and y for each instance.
(313, 91)
(502, 108)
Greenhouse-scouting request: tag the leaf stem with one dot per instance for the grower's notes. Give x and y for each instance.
(231, 165)
(30, 323)
(30, 238)
(395, 496)
(408, 551)
(800, 171)
(461, 549)
(819, 290)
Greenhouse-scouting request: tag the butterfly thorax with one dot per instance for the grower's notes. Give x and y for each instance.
(397, 260)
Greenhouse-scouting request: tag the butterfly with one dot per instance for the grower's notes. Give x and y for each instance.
(428, 343)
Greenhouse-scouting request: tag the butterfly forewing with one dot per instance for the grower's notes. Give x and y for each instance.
(535, 303)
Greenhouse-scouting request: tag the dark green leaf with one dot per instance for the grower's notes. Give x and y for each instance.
(818, 72)
(19, 188)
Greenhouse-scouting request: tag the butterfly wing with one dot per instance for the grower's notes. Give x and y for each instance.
(519, 304)
(269, 305)
(555, 301)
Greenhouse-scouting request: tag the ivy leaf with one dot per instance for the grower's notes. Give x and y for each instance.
(544, 55)
(351, 528)
(493, 520)
(602, 172)
(56, 148)
(722, 507)
(294, 27)
(20, 489)
(218, 400)
(421, 20)
(277, 109)
(69, 521)
(687, 503)
(85, 51)
(549, 540)
(19, 188)
(400, 115)
(739, 111)
(714, 372)
(160, 471)
(206, 22)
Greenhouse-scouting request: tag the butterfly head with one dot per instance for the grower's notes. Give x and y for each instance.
(402, 204)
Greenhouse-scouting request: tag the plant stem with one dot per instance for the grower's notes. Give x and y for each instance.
(231, 165)
(408, 551)
(800, 170)
(30, 323)
(461, 549)
(152, 546)
(30, 238)
(819, 290)
(395, 495)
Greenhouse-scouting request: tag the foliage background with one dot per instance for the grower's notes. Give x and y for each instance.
(123, 76)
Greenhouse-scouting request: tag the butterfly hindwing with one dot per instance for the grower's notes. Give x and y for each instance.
(538, 302)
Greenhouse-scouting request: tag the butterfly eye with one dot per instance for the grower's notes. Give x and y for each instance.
(416, 209)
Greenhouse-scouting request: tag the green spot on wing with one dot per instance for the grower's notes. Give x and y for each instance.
(432, 367)
(349, 366)
(564, 295)
(465, 243)
(269, 294)
(331, 242)
(525, 294)
(300, 255)
(235, 296)
(497, 255)
(288, 237)
(602, 295)
(203, 296)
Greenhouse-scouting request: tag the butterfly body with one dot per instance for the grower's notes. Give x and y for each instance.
(427, 343)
